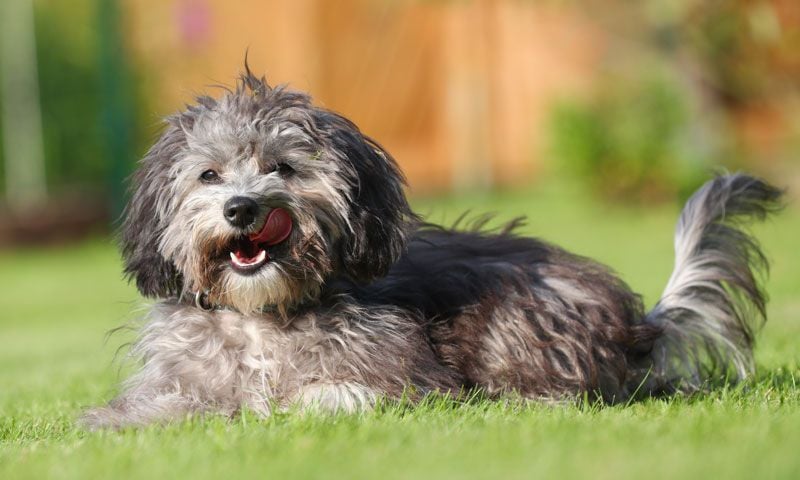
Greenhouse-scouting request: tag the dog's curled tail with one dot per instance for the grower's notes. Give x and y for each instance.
(713, 304)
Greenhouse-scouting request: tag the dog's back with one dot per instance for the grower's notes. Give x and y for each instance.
(511, 313)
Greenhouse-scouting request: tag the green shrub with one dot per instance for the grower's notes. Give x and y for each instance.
(631, 141)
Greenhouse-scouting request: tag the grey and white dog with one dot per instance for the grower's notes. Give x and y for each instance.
(290, 271)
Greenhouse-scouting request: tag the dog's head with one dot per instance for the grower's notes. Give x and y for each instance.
(258, 198)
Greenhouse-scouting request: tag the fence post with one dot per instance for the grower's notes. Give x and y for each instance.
(22, 118)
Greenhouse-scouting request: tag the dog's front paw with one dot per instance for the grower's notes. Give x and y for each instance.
(101, 418)
(336, 397)
(136, 410)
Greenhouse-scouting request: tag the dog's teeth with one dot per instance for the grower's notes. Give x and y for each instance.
(262, 255)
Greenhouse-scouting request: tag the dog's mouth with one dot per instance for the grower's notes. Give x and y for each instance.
(249, 252)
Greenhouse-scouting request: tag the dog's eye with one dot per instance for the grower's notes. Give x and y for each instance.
(209, 176)
(283, 169)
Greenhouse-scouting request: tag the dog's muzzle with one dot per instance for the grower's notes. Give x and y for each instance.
(248, 253)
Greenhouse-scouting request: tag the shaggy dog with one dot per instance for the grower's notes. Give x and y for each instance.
(289, 270)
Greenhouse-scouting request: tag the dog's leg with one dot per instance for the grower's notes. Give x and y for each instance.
(189, 365)
(344, 361)
(138, 409)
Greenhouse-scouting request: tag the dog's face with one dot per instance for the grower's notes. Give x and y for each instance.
(258, 198)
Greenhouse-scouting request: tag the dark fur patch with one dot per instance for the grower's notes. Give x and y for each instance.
(553, 342)
(380, 216)
(144, 224)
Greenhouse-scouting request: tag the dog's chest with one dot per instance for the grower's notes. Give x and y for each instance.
(256, 360)
(221, 353)
(254, 346)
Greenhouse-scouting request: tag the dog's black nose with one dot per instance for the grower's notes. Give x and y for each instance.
(241, 211)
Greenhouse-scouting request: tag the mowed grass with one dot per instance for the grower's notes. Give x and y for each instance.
(55, 359)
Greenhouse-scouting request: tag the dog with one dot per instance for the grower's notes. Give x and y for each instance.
(290, 272)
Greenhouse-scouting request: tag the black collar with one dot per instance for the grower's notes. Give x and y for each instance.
(200, 300)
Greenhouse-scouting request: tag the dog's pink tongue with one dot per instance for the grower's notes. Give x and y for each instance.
(277, 227)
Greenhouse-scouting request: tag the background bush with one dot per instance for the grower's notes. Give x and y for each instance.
(631, 140)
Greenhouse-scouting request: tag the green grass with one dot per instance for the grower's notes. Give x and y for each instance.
(58, 304)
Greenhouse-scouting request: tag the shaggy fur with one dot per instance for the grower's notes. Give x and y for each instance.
(363, 301)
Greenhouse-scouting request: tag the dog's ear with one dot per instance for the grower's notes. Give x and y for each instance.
(144, 218)
(380, 217)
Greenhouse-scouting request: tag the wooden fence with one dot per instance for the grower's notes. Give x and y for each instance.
(458, 91)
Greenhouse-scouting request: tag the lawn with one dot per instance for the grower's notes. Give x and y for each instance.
(55, 358)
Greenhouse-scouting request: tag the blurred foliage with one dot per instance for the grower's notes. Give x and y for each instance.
(680, 78)
(632, 140)
(69, 86)
(71, 96)
(746, 50)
